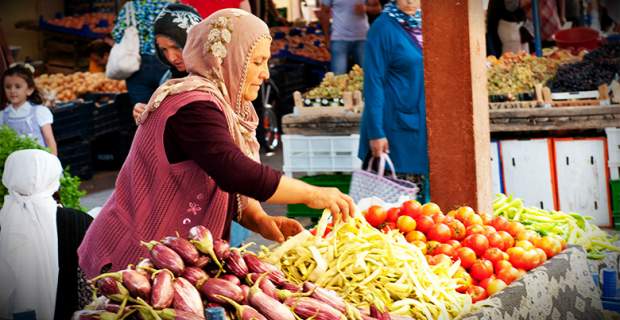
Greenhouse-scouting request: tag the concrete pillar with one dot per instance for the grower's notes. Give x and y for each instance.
(456, 103)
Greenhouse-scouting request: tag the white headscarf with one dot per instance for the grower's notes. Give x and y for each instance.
(28, 237)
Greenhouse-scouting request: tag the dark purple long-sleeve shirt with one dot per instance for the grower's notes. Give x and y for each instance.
(199, 132)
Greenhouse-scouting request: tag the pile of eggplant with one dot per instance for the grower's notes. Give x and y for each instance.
(183, 276)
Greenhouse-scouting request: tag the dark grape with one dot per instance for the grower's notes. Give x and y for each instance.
(582, 76)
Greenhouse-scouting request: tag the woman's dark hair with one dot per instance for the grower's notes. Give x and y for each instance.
(24, 73)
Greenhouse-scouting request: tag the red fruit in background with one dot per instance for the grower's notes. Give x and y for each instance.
(481, 269)
(514, 228)
(392, 215)
(431, 246)
(411, 208)
(454, 243)
(458, 229)
(375, 215)
(440, 232)
(477, 293)
(475, 229)
(508, 274)
(496, 241)
(495, 286)
(516, 256)
(529, 235)
(499, 223)
(405, 224)
(485, 282)
(473, 219)
(446, 249)
(531, 259)
(387, 226)
(509, 241)
(551, 246)
(487, 218)
(415, 235)
(467, 256)
(430, 208)
(489, 230)
(424, 223)
(494, 255)
(438, 217)
(501, 265)
(477, 242)
(438, 259)
(463, 213)
(524, 244)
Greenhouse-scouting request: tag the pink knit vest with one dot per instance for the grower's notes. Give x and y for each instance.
(154, 198)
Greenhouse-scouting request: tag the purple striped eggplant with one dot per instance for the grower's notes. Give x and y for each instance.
(184, 248)
(202, 238)
(202, 262)
(380, 315)
(327, 296)
(271, 308)
(137, 284)
(232, 278)
(165, 258)
(186, 297)
(244, 312)
(307, 307)
(257, 266)
(235, 263)
(174, 314)
(221, 249)
(265, 284)
(290, 287)
(145, 267)
(111, 288)
(213, 287)
(162, 292)
(194, 275)
(246, 292)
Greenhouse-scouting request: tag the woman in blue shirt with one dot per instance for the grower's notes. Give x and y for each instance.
(394, 118)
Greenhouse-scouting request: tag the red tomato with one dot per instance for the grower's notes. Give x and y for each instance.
(496, 241)
(463, 279)
(473, 219)
(477, 293)
(467, 256)
(509, 241)
(392, 215)
(494, 286)
(375, 215)
(494, 255)
(463, 213)
(516, 256)
(438, 217)
(457, 228)
(448, 219)
(508, 274)
(514, 228)
(485, 282)
(477, 242)
(451, 213)
(431, 246)
(388, 226)
(439, 259)
(542, 256)
(415, 235)
(524, 244)
(454, 243)
(528, 235)
(420, 244)
(487, 218)
(430, 208)
(501, 265)
(481, 269)
(474, 229)
(499, 223)
(405, 224)
(440, 232)
(411, 208)
(551, 246)
(489, 230)
(530, 259)
(446, 249)
(424, 223)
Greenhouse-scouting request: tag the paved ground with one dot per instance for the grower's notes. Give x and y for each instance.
(101, 185)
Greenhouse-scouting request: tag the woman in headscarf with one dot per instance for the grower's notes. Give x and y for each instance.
(38, 240)
(194, 159)
(170, 30)
(394, 118)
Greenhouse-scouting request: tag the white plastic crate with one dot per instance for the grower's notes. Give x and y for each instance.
(614, 170)
(582, 179)
(313, 154)
(613, 144)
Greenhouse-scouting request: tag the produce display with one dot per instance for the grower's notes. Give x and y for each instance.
(183, 276)
(333, 86)
(610, 52)
(96, 22)
(516, 73)
(570, 227)
(307, 42)
(61, 87)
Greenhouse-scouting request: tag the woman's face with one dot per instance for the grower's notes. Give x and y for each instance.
(258, 69)
(408, 6)
(171, 52)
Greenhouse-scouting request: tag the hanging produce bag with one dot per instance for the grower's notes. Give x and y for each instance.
(367, 183)
(124, 59)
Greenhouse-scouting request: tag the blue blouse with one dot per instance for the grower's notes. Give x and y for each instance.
(394, 96)
(146, 12)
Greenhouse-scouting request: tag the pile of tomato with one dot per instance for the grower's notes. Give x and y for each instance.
(493, 251)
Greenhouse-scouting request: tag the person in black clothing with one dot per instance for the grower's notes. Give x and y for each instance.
(505, 27)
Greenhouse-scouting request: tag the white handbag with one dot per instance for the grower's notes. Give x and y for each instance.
(124, 59)
(366, 183)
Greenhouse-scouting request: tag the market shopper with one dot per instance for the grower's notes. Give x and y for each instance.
(394, 117)
(170, 30)
(22, 106)
(348, 30)
(38, 240)
(506, 27)
(194, 159)
(552, 18)
(143, 82)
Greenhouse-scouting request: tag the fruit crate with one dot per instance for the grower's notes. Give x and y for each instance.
(613, 144)
(316, 154)
(340, 181)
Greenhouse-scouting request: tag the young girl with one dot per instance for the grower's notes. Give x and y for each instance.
(23, 111)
